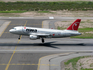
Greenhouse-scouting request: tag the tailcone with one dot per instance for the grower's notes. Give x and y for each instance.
(79, 33)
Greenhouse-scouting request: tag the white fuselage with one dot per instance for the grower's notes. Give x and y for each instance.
(42, 32)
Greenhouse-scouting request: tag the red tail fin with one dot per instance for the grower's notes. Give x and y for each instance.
(74, 25)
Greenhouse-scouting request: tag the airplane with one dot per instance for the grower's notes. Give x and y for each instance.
(42, 33)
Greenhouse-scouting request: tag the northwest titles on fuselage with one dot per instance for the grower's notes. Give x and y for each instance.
(31, 30)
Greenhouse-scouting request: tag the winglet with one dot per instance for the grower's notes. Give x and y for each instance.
(74, 25)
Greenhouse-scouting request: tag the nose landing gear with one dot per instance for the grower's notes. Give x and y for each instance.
(42, 40)
(19, 37)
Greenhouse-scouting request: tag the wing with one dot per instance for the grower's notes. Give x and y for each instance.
(40, 34)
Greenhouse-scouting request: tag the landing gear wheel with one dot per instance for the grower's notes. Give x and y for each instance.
(42, 40)
(19, 38)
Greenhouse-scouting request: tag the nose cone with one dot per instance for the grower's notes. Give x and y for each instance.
(11, 30)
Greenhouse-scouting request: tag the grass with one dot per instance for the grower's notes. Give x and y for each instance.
(87, 69)
(91, 65)
(60, 28)
(12, 11)
(44, 12)
(74, 61)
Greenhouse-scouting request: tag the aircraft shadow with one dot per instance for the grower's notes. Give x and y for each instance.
(47, 44)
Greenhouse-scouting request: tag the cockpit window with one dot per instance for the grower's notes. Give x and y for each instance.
(15, 28)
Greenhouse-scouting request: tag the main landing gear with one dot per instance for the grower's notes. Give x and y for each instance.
(42, 40)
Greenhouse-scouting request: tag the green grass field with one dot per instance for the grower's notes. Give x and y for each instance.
(12, 11)
(74, 61)
(87, 69)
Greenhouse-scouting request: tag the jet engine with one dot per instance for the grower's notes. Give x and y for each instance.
(33, 37)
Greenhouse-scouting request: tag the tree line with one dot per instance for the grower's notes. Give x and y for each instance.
(42, 6)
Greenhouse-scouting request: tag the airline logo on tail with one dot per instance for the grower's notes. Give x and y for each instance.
(74, 25)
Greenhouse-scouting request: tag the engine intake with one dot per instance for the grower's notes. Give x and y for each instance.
(33, 37)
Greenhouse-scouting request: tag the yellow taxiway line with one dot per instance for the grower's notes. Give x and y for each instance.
(7, 66)
(30, 64)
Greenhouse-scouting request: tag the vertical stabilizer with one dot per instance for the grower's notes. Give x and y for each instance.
(74, 25)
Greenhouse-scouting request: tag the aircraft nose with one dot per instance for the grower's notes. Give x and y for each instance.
(11, 30)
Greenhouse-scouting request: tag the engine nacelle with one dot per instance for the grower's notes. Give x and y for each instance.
(33, 37)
